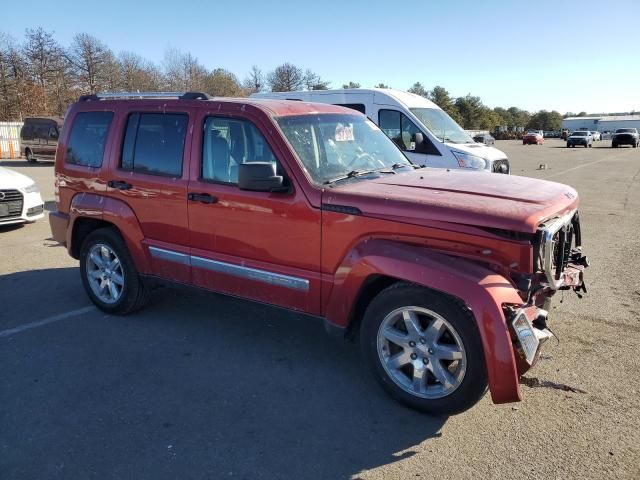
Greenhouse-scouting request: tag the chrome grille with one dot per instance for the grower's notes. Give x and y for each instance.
(557, 242)
(10, 204)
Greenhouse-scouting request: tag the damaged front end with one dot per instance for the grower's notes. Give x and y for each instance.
(559, 265)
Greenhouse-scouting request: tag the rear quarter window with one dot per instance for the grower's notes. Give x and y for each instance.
(88, 138)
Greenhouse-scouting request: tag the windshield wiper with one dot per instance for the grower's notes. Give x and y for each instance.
(358, 173)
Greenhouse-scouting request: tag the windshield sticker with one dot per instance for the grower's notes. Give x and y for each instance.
(344, 133)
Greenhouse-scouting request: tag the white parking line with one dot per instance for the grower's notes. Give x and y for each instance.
(612, 157)
(45, 321)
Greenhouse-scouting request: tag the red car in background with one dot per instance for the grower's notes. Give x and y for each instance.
(533, 138)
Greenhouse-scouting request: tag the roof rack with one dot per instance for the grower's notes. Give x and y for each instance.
(131, 95)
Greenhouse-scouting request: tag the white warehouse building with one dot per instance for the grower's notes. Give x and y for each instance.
(602, 124)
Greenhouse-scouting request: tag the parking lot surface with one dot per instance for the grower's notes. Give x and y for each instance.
(200, 385)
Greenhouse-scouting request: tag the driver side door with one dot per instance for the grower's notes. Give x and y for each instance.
(259, 245)
(399, 128)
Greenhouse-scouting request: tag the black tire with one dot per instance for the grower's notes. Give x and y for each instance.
(29, 156)
(134, 293)
(614, 145)
(474, 383)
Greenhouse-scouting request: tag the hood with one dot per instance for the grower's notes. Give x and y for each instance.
(479, 150)
(10, 179)
(480, 199)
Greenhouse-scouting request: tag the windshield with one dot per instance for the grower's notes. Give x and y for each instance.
(579, 134)
(625, 130)
(441, 125)
(334, 145)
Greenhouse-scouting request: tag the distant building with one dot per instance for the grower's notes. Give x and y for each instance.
(602, 124)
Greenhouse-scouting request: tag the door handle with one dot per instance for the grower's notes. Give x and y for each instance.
(119, 184)
(202, 198)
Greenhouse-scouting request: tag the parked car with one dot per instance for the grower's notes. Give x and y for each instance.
(532, 138)
(445, 280)
(39, 138)
(596, 136)
(485, 138)
(20, 199)
(580, 137)
(625, 136)
(422, 130)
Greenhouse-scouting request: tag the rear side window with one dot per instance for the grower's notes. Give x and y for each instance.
(154, 143)
(88, 138)
(359, 107)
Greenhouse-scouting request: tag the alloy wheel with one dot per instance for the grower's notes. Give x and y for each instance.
(421, 352)
(105, 273)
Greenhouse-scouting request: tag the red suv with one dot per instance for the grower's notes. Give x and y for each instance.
(443, 276)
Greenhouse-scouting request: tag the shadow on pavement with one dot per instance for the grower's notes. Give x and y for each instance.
(24, 163)
(196, 385)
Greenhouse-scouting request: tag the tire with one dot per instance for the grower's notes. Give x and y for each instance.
(29, 156)
(590, 145)
(614, 145)
(131, 293)
(458, 337)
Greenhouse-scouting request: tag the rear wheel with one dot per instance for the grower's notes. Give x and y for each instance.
(108, 273)
(29, 156)
(424, 349)
(614, 145)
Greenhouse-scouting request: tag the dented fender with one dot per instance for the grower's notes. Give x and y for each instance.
(116, 212)
(480, 289)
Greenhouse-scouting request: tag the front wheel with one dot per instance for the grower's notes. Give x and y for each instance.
(424, 349)
(108, 273)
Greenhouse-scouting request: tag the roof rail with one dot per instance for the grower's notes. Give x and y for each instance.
(124, 95)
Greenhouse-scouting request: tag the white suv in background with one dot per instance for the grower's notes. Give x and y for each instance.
(20, 199)
(425, 133)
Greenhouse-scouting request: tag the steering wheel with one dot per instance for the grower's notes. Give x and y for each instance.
(360, 157)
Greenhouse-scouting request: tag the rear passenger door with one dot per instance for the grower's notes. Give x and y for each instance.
(150, 175)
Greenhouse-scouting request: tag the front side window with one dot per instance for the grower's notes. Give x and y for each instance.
(88, 138)
(333, 145)
(228, 142)
(154, 143)
(399, 128)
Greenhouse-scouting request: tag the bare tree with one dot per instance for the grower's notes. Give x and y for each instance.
(254, 82)
(137, 74)
(90, 59)
(45, 58)
(183, 72)
(286, 78)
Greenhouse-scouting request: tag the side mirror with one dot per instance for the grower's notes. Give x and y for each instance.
(259, 177)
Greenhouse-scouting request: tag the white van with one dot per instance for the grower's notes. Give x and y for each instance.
(426, 134)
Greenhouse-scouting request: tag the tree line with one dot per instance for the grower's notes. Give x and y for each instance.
(39, 76)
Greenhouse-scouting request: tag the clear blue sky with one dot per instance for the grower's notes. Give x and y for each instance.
(567, 56)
